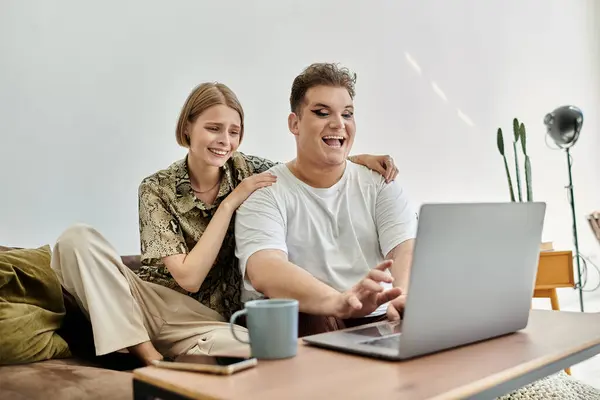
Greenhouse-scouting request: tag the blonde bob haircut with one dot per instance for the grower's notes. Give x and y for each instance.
(204, 96)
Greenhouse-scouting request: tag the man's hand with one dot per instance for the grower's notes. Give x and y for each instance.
(396, 308)
(366, 295)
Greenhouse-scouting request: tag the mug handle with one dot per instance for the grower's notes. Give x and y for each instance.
(235, 316)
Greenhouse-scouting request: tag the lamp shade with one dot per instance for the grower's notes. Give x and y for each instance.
(564, 125)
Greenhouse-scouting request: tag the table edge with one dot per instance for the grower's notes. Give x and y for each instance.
(163, 384)
(503, 377)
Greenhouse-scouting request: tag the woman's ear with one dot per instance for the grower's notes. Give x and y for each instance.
(186, 131)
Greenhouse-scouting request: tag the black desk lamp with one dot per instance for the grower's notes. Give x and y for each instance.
(564, 126)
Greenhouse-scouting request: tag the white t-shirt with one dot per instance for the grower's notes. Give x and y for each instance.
(337, 234)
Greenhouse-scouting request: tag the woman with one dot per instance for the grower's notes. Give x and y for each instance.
(189, 284)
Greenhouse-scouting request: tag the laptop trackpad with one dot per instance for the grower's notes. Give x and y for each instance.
(378, 330)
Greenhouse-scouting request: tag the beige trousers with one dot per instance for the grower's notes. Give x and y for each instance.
(124, 310)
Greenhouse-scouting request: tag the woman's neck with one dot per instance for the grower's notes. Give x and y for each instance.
(203, 177)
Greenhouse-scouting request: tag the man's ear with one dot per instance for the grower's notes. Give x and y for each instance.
(293, 121)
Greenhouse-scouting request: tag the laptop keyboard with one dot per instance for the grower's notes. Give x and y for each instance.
(389, 342)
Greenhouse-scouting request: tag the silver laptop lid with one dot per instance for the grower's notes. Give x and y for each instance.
(473, 273)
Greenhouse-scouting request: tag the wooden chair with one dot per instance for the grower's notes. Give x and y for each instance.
(594, 220)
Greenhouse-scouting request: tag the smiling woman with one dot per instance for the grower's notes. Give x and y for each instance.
(189, 284)
(211, 139)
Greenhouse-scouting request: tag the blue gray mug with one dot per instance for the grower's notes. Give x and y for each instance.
(272, 327)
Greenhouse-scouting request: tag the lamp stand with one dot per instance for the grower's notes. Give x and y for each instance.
(575, 238)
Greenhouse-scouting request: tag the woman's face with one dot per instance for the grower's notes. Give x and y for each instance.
(215, 135)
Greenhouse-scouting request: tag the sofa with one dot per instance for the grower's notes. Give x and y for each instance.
(82, 375)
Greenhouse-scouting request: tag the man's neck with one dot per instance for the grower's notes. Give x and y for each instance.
(202, 176)
(314, 175)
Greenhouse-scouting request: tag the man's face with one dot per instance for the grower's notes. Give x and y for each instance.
(325, 127)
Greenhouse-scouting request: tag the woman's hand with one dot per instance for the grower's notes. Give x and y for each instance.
(247, 187)
(382, 164)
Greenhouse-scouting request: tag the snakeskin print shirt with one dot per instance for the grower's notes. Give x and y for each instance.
(172, 219)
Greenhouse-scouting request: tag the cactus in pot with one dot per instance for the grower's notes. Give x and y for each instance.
(527, 166)
(519, 135)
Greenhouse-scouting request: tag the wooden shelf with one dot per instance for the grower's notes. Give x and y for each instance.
(555, 270)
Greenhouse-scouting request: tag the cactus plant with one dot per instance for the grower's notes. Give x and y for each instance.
(527, 163)
(519, 135)
(517, 169)
(501, 150)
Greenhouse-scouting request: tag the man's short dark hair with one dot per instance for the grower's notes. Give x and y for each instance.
(320, 74)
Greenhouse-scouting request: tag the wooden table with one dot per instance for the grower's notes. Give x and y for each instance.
(485, 370)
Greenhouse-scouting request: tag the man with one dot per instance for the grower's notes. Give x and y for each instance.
(330, 232)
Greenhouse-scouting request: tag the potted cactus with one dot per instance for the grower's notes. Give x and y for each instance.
(519, 137)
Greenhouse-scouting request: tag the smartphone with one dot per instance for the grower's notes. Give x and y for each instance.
(221, 365)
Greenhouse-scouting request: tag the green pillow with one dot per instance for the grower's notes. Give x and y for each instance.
(31, 307)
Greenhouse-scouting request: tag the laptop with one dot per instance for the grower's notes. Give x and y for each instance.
(472, 278)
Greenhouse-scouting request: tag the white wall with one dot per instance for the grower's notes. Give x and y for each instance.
(90, 93)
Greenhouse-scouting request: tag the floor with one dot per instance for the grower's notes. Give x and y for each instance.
(589, 370)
